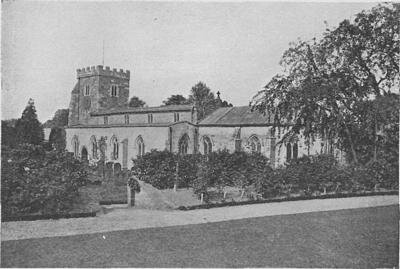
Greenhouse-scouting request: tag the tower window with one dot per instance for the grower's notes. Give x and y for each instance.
(150, 118)
(114, 90)
(126, 119)
(87, 90)
(105, 120)
(176, 116)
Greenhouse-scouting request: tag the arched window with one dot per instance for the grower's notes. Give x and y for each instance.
(254, 143)
(93, 143)
(207, 145)
(115, 148)
(75, 146)
(84, 154)
(288, 152)
(140, 146)
(295, 151)
(184, 144)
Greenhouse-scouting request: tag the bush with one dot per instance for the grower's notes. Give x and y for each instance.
(308, 175)
(156, 168)
(187, 171)
(38, 181)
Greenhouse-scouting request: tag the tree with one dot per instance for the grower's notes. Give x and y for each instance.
(29, 129)
(175, 100)
(202, 97)
(60, 119)
(326, 83)
(9, 133)
(136, 102)
(57, 138)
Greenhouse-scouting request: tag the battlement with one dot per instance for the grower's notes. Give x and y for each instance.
(100, 71)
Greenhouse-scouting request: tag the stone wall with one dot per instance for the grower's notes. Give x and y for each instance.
(153, 137)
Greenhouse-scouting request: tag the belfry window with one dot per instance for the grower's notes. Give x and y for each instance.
(114, 90)
(87, 90)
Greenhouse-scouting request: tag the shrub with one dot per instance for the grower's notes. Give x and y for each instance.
(134, 184)
(188, 165)
(240, 169)
(38, 181)
(156, 168)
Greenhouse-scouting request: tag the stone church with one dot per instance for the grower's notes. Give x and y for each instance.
(99, 110)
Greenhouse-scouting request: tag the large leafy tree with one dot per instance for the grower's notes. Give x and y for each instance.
(176, 100)
(327, 84)
(60, 119)
(203, 98)
(29, 129)
(136, 102)
(57, 138)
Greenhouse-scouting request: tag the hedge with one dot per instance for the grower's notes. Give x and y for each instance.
(32, 217)
(288, 199)
(306, 176)
(34, 180)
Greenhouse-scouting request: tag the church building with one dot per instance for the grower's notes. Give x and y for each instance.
(99, 110)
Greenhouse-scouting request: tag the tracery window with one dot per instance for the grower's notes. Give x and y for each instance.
(75, 145)
(254, 143)
(115, 148)
(184, 144)
(140, 146)
(94, 147)
(207, 145)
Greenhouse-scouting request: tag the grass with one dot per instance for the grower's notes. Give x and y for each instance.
(356, 238)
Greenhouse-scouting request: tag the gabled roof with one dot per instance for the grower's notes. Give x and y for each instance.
(138, 110)
(236, 116)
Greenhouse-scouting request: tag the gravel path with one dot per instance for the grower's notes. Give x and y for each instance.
(130, 218)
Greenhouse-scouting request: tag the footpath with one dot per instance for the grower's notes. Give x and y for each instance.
(132, 218)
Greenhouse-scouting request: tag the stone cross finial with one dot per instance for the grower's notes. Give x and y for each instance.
(218, 93)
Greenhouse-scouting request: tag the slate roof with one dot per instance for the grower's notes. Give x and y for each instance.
(236, 116)
(133, 110)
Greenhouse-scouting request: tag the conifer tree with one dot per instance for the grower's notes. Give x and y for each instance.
(29, 129)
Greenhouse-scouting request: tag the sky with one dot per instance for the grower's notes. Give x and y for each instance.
(234, 47)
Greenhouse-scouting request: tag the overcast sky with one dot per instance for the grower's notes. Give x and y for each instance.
(168, 47)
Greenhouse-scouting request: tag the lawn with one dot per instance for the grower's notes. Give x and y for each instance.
(356, 238)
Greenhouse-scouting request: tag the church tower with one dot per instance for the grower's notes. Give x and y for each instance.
(97, 89)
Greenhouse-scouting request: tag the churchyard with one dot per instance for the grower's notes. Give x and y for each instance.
(206, 191)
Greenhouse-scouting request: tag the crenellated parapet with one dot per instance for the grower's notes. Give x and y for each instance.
(101, 71)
